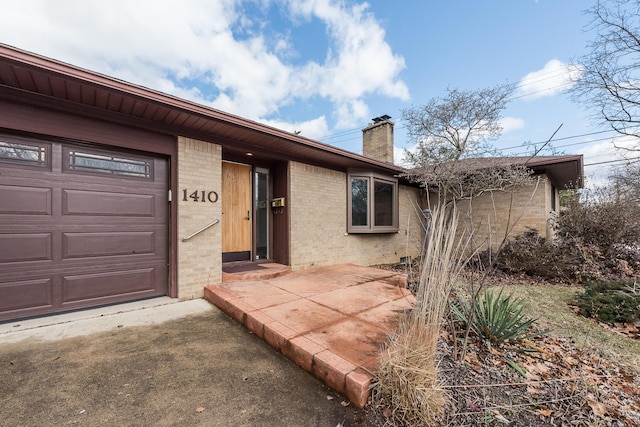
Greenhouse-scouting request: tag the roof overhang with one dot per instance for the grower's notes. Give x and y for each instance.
(564, 172)
(29, 78)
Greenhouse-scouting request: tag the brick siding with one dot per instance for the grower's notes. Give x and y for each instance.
(377, 141)
(199, 259)
(319, 223)
(527, 208)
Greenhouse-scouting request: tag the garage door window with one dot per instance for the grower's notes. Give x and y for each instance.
(98, 163)
(23, 153)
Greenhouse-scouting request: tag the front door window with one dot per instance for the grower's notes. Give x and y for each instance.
(261, 217)
(246, 210)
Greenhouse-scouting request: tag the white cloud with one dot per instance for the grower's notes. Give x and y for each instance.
(313, 129)
(399, 155)
(553, 78)
(509, 124)
(216, 53)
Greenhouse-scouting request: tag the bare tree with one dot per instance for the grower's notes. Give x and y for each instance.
(457, 125)
(610, 80)
(626, 179)
(455, 161)
(453, 136)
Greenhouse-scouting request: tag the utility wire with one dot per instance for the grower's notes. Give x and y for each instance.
(611, 161)
(552, 74)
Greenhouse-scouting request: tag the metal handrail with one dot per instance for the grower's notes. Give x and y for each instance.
(184, 239)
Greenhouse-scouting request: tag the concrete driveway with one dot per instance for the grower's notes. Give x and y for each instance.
(199, 368)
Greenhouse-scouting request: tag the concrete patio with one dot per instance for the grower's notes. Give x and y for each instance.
(331, 321)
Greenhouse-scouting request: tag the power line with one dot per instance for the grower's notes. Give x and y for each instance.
(341, 133)
(611, 161)
(528, 144)
(520, 83)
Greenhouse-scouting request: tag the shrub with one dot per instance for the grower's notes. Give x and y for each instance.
(494, 319)
(625, 259)
(564, 259)
(610, 301)
(609, 220)
(603, 219)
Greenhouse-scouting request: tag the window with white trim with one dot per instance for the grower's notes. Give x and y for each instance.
(372, 203)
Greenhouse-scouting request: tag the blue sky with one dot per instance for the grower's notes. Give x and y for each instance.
(326, 67)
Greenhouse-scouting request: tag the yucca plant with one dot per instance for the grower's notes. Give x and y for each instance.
(496, 319)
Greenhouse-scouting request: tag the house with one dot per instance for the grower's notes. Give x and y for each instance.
(495, 214)
(111, 192)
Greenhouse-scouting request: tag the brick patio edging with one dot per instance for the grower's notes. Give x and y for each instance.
(333, 370)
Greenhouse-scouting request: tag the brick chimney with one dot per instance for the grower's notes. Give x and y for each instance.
(377, 139)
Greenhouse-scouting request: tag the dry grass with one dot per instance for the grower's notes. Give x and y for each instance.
(408, 376)
(408, 380)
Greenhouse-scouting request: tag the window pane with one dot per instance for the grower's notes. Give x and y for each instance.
(27, 154)
(383, 202)
(262, 214)
(359, 202)
(89, 162)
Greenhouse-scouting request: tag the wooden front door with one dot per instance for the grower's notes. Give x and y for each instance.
(236, 212)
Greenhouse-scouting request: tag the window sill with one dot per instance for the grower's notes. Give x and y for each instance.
(374, 231)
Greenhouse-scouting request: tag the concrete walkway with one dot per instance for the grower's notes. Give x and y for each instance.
(86, 322)
(331, 321)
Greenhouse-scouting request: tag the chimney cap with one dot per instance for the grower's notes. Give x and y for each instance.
(381, 118)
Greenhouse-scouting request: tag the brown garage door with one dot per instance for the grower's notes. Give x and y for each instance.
(80, 226)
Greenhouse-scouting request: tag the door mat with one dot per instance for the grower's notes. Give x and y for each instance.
(241, 268)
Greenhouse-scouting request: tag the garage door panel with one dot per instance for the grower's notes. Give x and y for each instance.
(87, 245)
(25, 200)
(74, 238)
(106, 284)
(25, 247)
(24, 294)
(95, 203)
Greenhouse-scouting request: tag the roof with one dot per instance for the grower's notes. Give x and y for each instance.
(34, 79)
(566, 171)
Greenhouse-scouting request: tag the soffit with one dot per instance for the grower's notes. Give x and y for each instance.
(25, 77)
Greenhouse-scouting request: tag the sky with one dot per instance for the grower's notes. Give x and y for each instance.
(325, 68)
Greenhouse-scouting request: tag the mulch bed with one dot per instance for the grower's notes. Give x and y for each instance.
(562, 385)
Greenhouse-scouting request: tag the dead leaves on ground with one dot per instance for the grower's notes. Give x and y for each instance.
(630, 330)
(563, 384)
(607, 389)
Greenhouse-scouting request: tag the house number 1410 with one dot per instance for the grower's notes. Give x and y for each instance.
(199, 196)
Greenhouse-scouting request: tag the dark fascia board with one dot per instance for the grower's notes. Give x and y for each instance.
(66, 71)
(566, 171)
